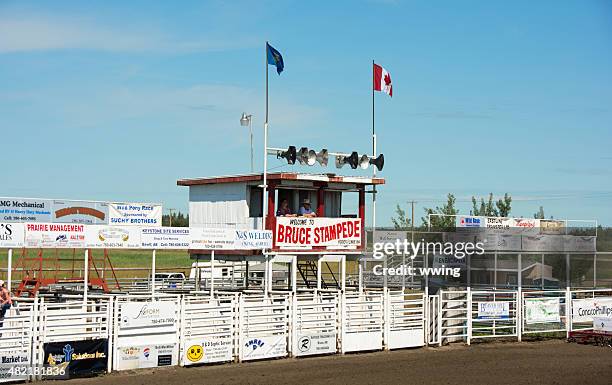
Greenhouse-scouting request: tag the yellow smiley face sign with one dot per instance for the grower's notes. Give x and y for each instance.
(195, 353)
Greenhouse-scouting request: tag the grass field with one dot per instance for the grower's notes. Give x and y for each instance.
(128, 263)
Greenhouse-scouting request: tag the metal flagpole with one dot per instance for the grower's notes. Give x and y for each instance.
(265, 159)
(373, 154)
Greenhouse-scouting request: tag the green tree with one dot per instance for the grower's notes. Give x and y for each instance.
(178, 220)
(540, 213)
(400, 222)
(444, 218)
(501, 208)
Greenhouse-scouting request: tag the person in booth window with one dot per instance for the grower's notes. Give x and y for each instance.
(305, 210)
(284, 210)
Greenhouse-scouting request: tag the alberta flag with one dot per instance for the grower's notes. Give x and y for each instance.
(382, 80)
(275, 58)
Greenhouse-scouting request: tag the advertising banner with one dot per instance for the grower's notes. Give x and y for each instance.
(135, 214)
(332, 233)
(389, 236)
(170, 238)
(208, 349)
(229, 239)
(466, 223)
(265, 347)
(79, 358)
(315, 343)
(25, 210)
(542, 310)
(146, 356)
(150, 313)
(14, 366)
(583, 310)
(112, 237)
(83, 212)
(552, 227)
(494, 310)
(54, 235)
(12, 235)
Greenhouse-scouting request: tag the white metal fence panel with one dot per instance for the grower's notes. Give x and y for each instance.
(493, 314)
(314, 324)
(264, 326)
(586, 304)
(362, 321)
(146, 331)
(67, 329)
(208, 329)
(432, 325)
(544, 311)
(404, 319)
(453, 316)
(16, 337)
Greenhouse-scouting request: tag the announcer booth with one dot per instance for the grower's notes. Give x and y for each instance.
(309, 250)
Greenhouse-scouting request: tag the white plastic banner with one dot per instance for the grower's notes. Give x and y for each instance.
(583, 310)
(172, 238)
(135, 214)
(12, 235)
(81, 212)
(494, 310)
(146, 356)
(155, 313)
(208, 349)
(19, 363)
(25, 210)
(54, 235)
(112, 237)
(292, 232)
(315, 343)
(229, 239)
(542, 310)
(265, 347)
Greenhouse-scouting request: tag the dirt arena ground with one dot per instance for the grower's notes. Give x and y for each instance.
(544, 362)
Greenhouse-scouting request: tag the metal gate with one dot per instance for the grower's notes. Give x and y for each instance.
(432, 324)
(362, 321)
(146, 331)
(453, 316)
(208, 329)
(544, 311)
(493, 314)
(264, 326)
(404, 319)
(16, 335)
(71, 322)
(314, 324)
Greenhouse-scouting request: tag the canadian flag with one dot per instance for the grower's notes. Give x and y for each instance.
(382, 80)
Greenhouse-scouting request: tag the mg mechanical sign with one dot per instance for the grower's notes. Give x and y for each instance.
(331, 233)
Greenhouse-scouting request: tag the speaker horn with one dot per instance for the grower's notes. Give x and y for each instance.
(353, 160)
(364, 162)
(379, 162)
(290, 155)
(323, 157)
(306, 156)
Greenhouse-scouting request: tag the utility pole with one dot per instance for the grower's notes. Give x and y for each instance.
(171, 210)
(412, 220)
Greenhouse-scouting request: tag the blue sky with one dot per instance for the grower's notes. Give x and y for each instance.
(117, 100)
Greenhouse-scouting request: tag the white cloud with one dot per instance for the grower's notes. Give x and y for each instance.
(46, 33)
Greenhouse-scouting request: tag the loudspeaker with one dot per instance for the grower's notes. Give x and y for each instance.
(306, 156)
(379, 162)
(364, 162)
(290, 155)
(323, 157)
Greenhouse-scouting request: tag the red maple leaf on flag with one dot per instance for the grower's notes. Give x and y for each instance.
(387, 80)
